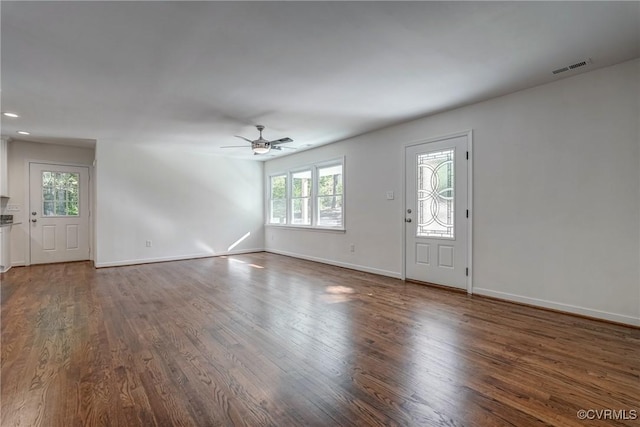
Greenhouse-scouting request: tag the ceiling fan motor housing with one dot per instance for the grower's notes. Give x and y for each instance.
(261, 146)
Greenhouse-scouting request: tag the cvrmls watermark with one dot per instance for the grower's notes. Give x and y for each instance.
(608, 414)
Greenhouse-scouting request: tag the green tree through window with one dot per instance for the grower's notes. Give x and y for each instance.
(278, 200)
(330, 196)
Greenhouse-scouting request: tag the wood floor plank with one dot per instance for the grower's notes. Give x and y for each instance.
(267, 340)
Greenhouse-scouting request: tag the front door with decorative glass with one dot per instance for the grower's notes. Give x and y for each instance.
(58, 213)
(436, 222)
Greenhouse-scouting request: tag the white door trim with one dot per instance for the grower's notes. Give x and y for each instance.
(469, 135)
(27, 202)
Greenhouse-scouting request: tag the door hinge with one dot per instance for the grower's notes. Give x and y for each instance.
(467, 213)
(467, 271)
(467, 155)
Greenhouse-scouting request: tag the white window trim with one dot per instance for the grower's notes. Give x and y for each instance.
(313, 197)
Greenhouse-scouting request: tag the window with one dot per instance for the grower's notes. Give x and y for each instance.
(329, 197)
(301, 197)
(278, 200)
(309, 197)
(60, 194)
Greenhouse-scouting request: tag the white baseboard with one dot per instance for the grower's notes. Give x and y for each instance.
(173, 258)
(590, 312)
(15, 264)
(394, 274)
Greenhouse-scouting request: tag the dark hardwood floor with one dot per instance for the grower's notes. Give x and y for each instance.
(266, 340)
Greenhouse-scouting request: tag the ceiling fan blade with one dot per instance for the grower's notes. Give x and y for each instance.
(281, 141)
(234, 146)
(275, 147)
(288, 148)
(242, 137)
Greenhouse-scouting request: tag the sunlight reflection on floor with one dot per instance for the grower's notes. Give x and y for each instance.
(336, 294)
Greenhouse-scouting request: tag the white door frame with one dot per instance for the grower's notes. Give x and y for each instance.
(27, 203)
(469, 135)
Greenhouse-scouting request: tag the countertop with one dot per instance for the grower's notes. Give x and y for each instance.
(7, 225)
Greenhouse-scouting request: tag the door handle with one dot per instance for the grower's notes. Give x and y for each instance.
(34, 220)
(407, 220)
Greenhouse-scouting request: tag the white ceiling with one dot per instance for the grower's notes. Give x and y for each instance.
(193, 74)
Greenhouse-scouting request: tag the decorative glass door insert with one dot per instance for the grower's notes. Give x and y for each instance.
(435, 188)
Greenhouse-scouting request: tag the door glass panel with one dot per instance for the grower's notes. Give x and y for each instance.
(60, 194)
(48, 209)
(436, 194)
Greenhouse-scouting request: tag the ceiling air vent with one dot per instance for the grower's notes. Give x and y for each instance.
(572, 66)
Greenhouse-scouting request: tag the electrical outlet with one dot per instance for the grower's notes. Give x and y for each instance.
(352, 248)
(390, 195)
(149, 243)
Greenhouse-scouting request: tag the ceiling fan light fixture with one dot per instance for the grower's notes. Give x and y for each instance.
(260, 147)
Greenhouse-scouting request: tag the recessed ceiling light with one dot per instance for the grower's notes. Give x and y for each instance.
(22, 132)
(12, 115)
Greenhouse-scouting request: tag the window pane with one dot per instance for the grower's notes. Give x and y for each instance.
(330, 211)
(301, 184)
(329, 200)
(330, 180)
(279, 187)
(278, 202)
(72, 209)
(301, 211)
(48, 208)
(436, 194)
(60, 194)
(48, 193)
(278, 212)
(47, 179)
(61, 208)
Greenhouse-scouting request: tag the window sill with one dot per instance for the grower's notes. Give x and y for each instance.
(307, 227)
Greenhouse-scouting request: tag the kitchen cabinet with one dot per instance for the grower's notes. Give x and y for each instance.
(5, 257)
(4, 175)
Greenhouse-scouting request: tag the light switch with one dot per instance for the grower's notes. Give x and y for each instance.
(389, 195)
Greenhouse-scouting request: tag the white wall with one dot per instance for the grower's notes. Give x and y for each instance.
(19, 152)
(556, 212)
(372, 223)
(189, 204)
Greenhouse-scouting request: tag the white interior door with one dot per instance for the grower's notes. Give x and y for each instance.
(58, 213)
(436, 223)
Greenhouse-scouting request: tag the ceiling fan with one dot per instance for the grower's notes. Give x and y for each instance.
(261, 145)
